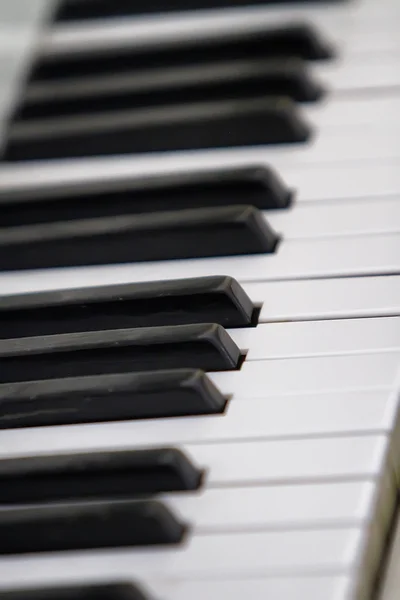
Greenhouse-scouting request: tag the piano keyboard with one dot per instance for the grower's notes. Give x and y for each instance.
(199, 299)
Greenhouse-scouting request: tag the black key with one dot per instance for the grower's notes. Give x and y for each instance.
(110, 591)
(96, 476)
(199, 126)
(237, 80)
(149, 395)
(299, 40)
(208, 347)
(258, 186)
(228, 231)
(74, 10)
(181, 302)
(88, 526)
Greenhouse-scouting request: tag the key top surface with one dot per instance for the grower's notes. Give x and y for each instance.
(112, 591)
(149, 395)
(231, 230)
(259, 185)
(298, 40)
(206, 346)
(96, 476)
(204, 300)
(55, 528)
(189, 126)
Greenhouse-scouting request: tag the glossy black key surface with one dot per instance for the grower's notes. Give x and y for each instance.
(110, 591)
(208, 347)
(74, 400)
(196, 233)
(75, 10)
(150, 304)
(298, 40)
(237, 80)
(258, 186)
(96, 476)
(197, 126)
(55, 528)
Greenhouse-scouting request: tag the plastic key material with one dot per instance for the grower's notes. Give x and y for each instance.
(111, 591)
(181, 302)
(195, 233)
(236, 80)
(55, 528)
(207, 346)
(257, 185)
(73, 400)
(76, 10)
(96, 476)
(298, 40)
(192, 126)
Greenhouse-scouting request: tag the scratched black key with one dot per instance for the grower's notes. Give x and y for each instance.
(208, 347)
(194, 233)
(96, 476)
(236, 80)
(101, 398)
(55, 528)
(99, 591)
(257, 185)
(76, 10)
(149, 304)
(197, 126)
(122, 54)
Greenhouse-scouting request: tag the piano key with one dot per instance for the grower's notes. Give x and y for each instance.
(206, 300)
(258, 186)
(268, 418)
(225, 81)
(313, 552)
(301, 259)
(206, 346)
(146, 395)
(234, 463)
(113, 591)
(55, 528)
(304, 375)
(334, 181)
(277, 507)
(218, 124)
(96, 476)
(258, 588)
(318, 338)
(76, 10)
(326, 298)
(298, 40)
(306, 220)
(231, 230)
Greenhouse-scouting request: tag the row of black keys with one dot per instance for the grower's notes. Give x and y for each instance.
(75, 10)
(239, 89)
(191, 215)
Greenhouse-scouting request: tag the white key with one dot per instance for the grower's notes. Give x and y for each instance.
(278, 588)
(306, 220)
(302, 259)
(259, 378)
(268, 418)
(276, 507)
(326, 298)
(341, 181)
(318, 338)
(232, 463)
(344, 76)
(247, 554)
(348, 110)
